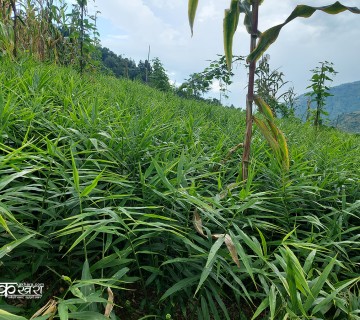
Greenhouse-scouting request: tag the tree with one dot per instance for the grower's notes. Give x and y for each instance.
(82, 27)
(121, 67)
(144, 69)
(195, 86)
(250, 9)
(158, 77)
(218, 70)
(200, 83)
(319, 90)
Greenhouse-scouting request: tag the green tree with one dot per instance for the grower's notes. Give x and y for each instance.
(144, 69)
(218, 70)
(83, 27)
(195, 86)
(320, 91)
(200, 83)
(121, 67)
(158, 77)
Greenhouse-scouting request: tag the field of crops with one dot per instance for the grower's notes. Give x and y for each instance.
(111, 184)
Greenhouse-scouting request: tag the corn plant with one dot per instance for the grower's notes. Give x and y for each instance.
(48, 32)
(250, 9)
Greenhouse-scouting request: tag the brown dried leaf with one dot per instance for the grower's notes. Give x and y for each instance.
(230, 245)
(217, 235)
(50, 307)
(110, 304)
(198, 223)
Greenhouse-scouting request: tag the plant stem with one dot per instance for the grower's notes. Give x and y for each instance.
(82, 31)
(13, 5)
(250, 95)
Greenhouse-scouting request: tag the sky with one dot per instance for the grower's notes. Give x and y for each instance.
(129, 27)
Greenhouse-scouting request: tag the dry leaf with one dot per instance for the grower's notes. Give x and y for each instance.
(231, 151)
(110, 303)
(198, 223)
(50, 307)
(230, 245)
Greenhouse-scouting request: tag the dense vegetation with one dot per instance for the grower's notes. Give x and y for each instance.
(128, 202)
(110, 183)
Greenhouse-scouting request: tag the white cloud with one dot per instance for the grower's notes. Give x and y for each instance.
(118, 36)
(209, 12)
(215, 86)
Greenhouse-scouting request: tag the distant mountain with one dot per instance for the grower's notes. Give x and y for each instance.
(349, 122)
(343, 107)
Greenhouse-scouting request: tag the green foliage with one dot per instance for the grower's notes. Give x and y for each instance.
(124, 67)
(200, 83)
(145, 70)
(100, 179)
(195, 86)
(272, 134)
(158, 77)
(320, 91)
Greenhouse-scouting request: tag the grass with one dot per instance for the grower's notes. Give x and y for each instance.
(100, 181)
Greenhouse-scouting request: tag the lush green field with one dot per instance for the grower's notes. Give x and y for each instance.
(108, 183)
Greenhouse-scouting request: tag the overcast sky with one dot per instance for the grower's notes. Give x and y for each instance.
(128, 27)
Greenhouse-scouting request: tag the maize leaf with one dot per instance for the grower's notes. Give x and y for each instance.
(192, 6)
(268, 136)
(269, 36)
(230, 23)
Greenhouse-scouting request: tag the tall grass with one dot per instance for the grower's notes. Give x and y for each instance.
(100, 180)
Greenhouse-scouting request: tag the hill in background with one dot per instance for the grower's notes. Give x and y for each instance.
(343, 107)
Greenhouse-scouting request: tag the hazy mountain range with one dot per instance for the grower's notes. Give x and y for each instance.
(343, 107)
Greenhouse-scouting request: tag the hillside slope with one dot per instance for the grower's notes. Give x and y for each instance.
(348, 122)
(107, 183)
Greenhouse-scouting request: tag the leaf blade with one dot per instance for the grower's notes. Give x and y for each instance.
(230, 23)
(192, 7)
